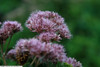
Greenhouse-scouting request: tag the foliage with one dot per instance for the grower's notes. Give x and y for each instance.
(82, 16)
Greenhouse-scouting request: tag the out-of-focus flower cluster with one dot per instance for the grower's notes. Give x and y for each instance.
(50, 52)
(47, 52)
(47, 36)
(46, 21)
(9, 28)
(73, 62)
(50, 26)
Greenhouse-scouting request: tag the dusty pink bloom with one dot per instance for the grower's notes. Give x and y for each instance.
(9, 28)
(59, 52)
(48, 36)
(46, 21)
(64, 31)
(11, 54)
(73, 62)
(12, 26)
(37, 47)
(50, 52)
(20, 53)
(22, 43)
(31, 46)
(19, 48)
(47, 51)
(4, 34)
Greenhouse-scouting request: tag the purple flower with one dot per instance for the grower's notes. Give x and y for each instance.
(12, 26)
(11, 54)
(73, 62)
(22, 43)
(38, 48)
(20, 53)
(9, 28)
(50, 52)
(46, 21)
(48, 36)
(50, 26)
(47, 51)
(57, 54)
(64, 31)
(3, 35)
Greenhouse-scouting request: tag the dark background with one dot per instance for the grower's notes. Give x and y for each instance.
(82, 17)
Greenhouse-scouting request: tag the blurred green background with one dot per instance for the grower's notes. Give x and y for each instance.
(82, 17)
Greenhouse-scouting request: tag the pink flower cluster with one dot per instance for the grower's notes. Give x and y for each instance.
(46, 21)
(73, 62)
(50, 26)
(12, 26)
(19, 48)
(47, 36)
(50, 52)
(47, 51)
(9, 28)
(11, 54)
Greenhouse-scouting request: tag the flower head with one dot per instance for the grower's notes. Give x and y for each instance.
(73, 62)
(8, 29)
(20, 53)
(11, 54)
(12, 26)
(4, 34)
(48, 36)
(47, 51)
(50, 52)
(57, 54)
(46, 21)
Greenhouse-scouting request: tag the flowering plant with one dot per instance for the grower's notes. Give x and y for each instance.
(41, 49)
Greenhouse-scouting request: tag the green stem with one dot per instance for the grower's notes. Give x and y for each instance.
(37, 63)
(33, 61)
(8, 44)
(3, 54)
